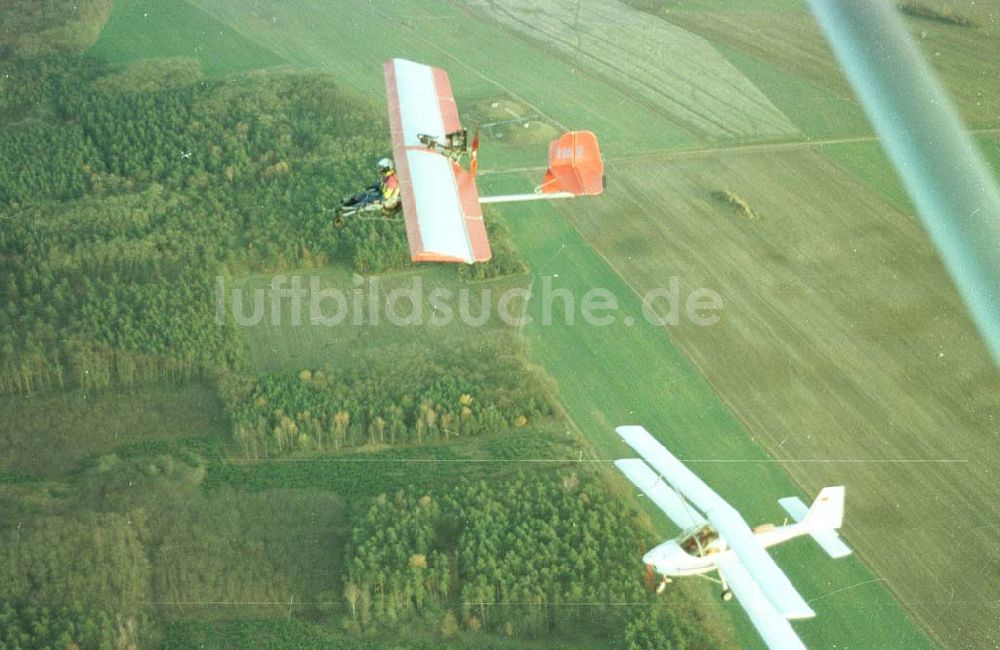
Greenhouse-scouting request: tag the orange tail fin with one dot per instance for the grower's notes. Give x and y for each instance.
(575, 165)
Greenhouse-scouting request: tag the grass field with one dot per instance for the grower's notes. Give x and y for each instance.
(843, 345)
(633, 374)
(819, 112)
(280, 345)
(789, 40)
(962, 57)
(42, 434)
(699, 89)
(143, 29)
(841, 337)
(452, 37)
(868, 163)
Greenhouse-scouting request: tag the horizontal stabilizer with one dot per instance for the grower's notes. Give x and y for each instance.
(820, 520)
(794, 507)
(830, 542)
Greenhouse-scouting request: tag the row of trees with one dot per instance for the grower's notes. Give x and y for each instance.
(530, 556)
(397, 395)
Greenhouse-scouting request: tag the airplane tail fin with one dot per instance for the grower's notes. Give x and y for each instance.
(822, 519)
(575, 165)
(827, 510)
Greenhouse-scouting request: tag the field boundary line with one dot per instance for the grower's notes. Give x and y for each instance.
(665, 155)
(235, 460)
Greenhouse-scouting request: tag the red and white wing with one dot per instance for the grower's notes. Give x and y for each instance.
(444, 221)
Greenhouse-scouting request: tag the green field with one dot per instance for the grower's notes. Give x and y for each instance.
(818, 111)
(841, 338)
(868, 162)
(143, 29)
(367, 35)
(789, 39)
(633, 374)
(822, 373)
(280, 345)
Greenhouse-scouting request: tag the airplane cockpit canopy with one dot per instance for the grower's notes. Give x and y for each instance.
(697, 542)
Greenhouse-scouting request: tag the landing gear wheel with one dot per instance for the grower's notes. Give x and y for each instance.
(727, 595)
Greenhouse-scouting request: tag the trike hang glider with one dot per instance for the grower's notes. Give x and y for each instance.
(716, 538)
(440, 200)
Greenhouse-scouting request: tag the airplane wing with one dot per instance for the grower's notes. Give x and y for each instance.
(774, 628)
(659, 492)
(444, 221)
(774, 584)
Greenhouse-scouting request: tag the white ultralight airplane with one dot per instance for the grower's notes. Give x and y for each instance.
(716, 538)
(440, 200)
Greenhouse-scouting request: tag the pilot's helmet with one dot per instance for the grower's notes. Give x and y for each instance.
(385, 165)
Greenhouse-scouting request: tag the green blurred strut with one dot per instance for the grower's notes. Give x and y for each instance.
(944, 173)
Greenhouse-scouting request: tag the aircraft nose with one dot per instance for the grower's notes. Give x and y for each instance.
(663, 556)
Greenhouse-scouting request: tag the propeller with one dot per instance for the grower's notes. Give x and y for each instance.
(474, 154)
(650, 578)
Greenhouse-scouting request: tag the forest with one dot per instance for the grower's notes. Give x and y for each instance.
(129, 197)
(132, 188)
(501, 555)
(527, 557)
